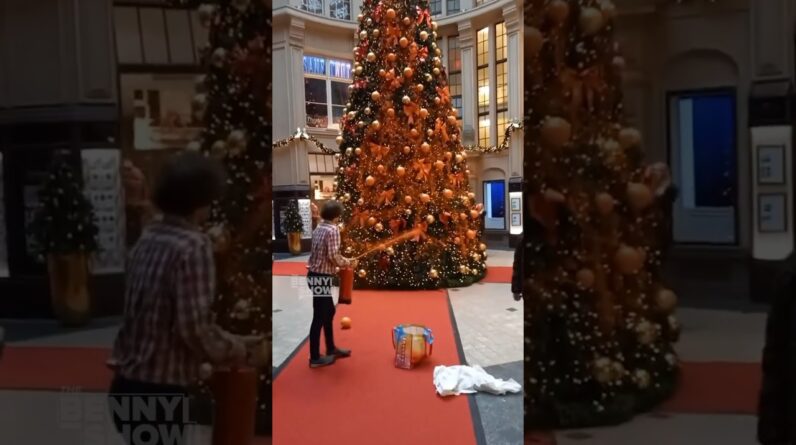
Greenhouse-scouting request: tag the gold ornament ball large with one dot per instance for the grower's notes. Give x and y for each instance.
(408, 72)
(430, 219)
(534, 40)
(370, 180)
(375, 124)
(471, 234)
(362, 273)
(426, 147)
(375, 96)
(400, 171)
(642, 378)
(423, 35)
(591, 21)
(629, 138)
(408, 199)
(647, 334)
(556, 131)
(602, 370)
(585, 278)
(666, 300)
(425, 198)
(403, 42)
(433, 273)
(390, 14)
(371, 57)
(628, 260)
(339, 140)
(605, 203)
(371, 221)
(424, 113)
(406, 100)
(379, 227)
(639, 195)
(439, 165)
(558, 11)
(447, 193)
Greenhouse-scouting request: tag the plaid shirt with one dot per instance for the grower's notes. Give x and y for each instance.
(325, 247)
(168, 330)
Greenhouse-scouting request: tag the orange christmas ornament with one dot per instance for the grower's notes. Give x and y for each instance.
(345, 323)
(605, 203)
(639, 195)
(556, 131)
(628, 260)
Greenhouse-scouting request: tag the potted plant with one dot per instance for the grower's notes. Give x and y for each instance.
(294, 226)
(65, 232)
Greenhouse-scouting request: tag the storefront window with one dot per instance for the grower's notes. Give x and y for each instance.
(495, 205)
(313, 6)
(156, 111)
(325, 90)
(323, 176)
(340, 9)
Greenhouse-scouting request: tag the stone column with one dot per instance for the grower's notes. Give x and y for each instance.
(469, 93)
(289, 111)
(513, 19)
(772, 39)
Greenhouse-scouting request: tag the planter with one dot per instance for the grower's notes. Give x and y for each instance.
(294, 242)
(235, 395)
(69, 287)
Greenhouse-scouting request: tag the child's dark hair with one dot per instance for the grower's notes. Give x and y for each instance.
(188, 182)
(331, 210)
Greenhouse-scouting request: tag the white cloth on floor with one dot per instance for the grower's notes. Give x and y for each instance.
(461, 379)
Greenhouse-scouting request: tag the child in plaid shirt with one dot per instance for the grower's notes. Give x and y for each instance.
(168, 331)
(324, 260)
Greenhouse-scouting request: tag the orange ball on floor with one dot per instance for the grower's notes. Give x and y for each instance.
(345, 322)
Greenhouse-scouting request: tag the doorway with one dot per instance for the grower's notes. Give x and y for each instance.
(703, 157)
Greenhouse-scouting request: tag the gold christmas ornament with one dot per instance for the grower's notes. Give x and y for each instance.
(390, 14)
(370, 180)
(423, 35)
(371, 57)
(362, 273)
(591, 21)
(641, 378)
(407, 21)
(425, 147)
(423, 113)
(430, 219)
(380, 168)
(447, 193)
(379, 227)
(408, 72)
(628, 260)
(433, 273)
(451, 120)
(425, 198)
(482, 247)
(339, 140)
(666, 300)
(629, 138)
(390, 251)
(375, 124)
(408, 199)
(558, 11)
(391, 57)
(400, 171)
(358, 151)
(382, 72)
(534, 41)
(407, 150)
(429, 132)
(585, 278)
(556, 131)
(647, 334)
(371, 221)
(603, 370)
(406, 100)
(439, 165)
(605, 203)
(419, 87)
(391, 112)
(471, 234)
(358, 70)
(375, 96)
(363, 35)
(360, 201)
(437, 71)
(403, 42)
(639, 195)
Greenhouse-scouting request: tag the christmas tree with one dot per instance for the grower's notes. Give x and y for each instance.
(402, 165)
(599, 322)
(234, 100)
(65, 222)
(293, 222)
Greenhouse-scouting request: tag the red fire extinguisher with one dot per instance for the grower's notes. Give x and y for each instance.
(235, 394)
(346, 285)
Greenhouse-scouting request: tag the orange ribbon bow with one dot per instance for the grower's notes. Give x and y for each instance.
(423, 167)
(442, 130)
(386, 196)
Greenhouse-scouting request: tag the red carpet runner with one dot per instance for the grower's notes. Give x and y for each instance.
(364, 399)
(288, 268)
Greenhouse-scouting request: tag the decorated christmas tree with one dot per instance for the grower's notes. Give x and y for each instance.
(65, 222)
(599, 322)
(402, 164)
(293, 222)
(234, 101)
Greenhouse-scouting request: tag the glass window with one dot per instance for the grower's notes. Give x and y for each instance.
(455, 74)
(153, 33)
(502, 123)
(313, 6)
(454, 6)
(435, 6)
(483, 90)
(325, 90)
(180, 43)
(495, 205)
(482, 42)
(128, 39)
(483, 130)
(340, 9)
(501, 42)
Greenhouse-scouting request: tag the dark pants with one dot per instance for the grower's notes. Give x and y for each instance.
(135, 428)
(323, 311)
